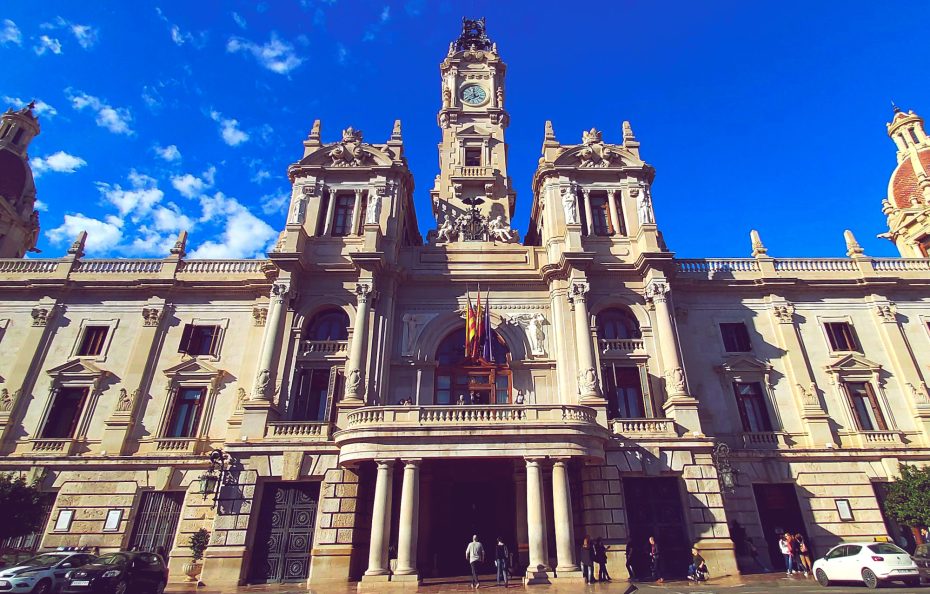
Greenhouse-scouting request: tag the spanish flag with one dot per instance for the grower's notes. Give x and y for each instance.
(479, 328)
(471, 326)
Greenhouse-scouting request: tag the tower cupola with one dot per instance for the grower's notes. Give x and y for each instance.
(907, 205)
(19, 221)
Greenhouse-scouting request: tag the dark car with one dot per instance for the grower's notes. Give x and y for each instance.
(921, 557)
(119, 573)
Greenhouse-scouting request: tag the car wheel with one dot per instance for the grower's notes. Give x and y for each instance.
(870, 579)
(43, 587)
(822, 578)
(159, 588)
(120, 588)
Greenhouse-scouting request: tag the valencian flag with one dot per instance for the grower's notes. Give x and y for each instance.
(487, 352)
(471, 327)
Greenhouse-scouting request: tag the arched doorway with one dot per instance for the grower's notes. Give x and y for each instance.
(467, 380)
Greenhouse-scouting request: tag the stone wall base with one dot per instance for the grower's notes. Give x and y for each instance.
(223, 566)
(329, 564)
(720, 556)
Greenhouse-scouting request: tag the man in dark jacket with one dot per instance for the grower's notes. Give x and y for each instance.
(502, 561)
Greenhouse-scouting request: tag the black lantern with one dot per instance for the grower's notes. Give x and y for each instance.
(213, 479)
(725, 473)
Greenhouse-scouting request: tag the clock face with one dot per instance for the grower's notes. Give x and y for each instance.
(473, 95)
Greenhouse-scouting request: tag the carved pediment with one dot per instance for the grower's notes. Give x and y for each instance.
(473, 130)
(851, 363)
(347, 155)
(742, 364)
(77, 370)
(597, 155)
(194, 370)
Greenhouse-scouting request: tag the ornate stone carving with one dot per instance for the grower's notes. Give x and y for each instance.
(448, 231)
(500, 231)
(578, 290)
(259, 315)
(7, 400)
(588, 382)
(474, 226)
(809, 394)
(532, 324)
(784, 313)
(354, 382)
(413, 325)
(281, 242)
(920, 393)
(595, 153)
(240, 399)
(886, 312)
(570, 206)
(675, 380)
(262, 382)
(151, 316)
(349, 152)
(41, 315)
(657, 291)
(364, 292)
(373, 209)
(279, 291)
(644, 208)
(124, 401)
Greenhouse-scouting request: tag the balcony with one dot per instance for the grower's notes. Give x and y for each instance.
(764, 440)
(473, 172)
(302, 431)
(471, 431)
(52, 447)
(622, 346)
(880, 439)
(321, 349)
(643, 428)
(178, 445)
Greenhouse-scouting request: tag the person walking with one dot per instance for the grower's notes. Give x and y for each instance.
(587, 559)
(600, 557)
(502, 560)
(474, 554)
(784, 545)
(655, 561)
(804, 555)
(630, 553)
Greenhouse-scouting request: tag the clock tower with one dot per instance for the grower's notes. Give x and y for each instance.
(473, 199)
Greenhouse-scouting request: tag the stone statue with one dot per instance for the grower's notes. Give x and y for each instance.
(124, 402)
(533, 326)
(675, 378)
(261, 386)
(373, 209)
(354, 382)
(499, 231)
(447, 231)
(412, 323)
(644, 208)
(240, 399)
(808, 395)
(6, 401)
(587, 381)
(570, 206)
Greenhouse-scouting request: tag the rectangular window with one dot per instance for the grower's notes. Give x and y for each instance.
(311, 397)
(342, 217)
(752, 410)
(624, 392)
(472, 157)
(865, 407)
(185, 416)
(92, 342)
(321, 214)
(600, 216)
(735, 337)
(64, 413)
(200, 339)
(841, 336)
(443, 389)
(924, 245)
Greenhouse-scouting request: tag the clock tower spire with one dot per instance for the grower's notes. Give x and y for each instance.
(473, 199)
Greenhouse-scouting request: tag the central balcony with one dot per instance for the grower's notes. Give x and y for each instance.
(473, 172)
(471, 431)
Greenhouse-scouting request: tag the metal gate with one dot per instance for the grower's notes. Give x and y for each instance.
(157, 521)
(285, 533)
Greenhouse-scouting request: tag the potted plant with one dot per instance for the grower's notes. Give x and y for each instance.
(198, 544)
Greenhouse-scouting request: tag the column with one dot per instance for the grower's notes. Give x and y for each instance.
(588, 384)
(614, 213)
(521, 547)
(265, 378)
(355, 211)
(381, 521)
(562, 518)
(588, 218)
(328, 226)
(536, 523)
(408, 525)
(355, 373)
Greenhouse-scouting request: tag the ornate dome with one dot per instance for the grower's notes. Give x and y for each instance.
(904, 186)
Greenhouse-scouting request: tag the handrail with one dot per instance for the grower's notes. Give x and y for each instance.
(221, 266)
(118, 266)
(19, 265)
(471, 414)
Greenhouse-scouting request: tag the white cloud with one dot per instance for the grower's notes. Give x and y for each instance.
(39, 205)
(102, 236)
(244, 235)
(372, 31)
(229, 129)
(86, 36)
(60, 162)
(10, 33)
(275, 203)
(168, 153)
(191, 186)
(239, 20)
(114, 119)
(41, 109)
(260, 176)
(179, 36)
(386, 14)
(47, 44)
(276, 55)
(342, 53)
(138, 200)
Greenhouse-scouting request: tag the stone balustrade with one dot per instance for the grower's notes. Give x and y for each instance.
(643, 427)
(221, 266)
(311, 348)
(176, 445)
(814, 265)
(473, 171)
(709, 265)
(60, 447)
(880, 439)
(761, 268)
(27, 266)
(621, 346)
(764, 440)
(118, 266)
(298, 430)
(84, 270)
(468, 414)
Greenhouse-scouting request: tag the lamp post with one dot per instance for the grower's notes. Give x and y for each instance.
(212, 481)
(726, 474)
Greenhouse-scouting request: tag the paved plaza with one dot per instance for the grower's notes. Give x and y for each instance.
(755, 584)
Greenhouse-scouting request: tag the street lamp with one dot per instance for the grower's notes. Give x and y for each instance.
(213, 479)
(725, 473)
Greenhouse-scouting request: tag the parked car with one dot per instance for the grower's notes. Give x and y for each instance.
(43, 573)
(120, 573)
(922, 559)
(871, 563)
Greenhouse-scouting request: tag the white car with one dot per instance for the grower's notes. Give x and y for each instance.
(43, 573)
(868, 562)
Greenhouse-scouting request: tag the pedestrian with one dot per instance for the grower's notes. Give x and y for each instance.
(785, 547)
(754, 553)
(587, 559)
(795, 549)
(804, 554)
(501, 560)
(630, 555)
(600, 557)
(697, 571)
(655, 561)
(474, 554)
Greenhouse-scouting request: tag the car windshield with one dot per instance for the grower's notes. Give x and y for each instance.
(42, 560)
(112, 559)
(886, 548)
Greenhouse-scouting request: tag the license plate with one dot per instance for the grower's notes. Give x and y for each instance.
(80, 582)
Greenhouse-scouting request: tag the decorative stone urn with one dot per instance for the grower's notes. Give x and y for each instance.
(192, 570)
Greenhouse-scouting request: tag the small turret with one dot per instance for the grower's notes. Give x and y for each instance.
(907, 204)
(19, 221)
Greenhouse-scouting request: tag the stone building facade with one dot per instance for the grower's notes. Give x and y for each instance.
(624, 392)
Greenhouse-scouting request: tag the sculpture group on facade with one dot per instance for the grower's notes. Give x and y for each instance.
(349, 152)
(474, 226)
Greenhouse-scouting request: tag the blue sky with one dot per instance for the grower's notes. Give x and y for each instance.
(170, 115)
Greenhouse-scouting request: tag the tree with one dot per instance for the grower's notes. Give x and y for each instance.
(908, 500)
(22, 505)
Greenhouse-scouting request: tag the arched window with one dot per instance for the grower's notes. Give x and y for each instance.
(332, 324)
(463, 380)
(615, 324)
